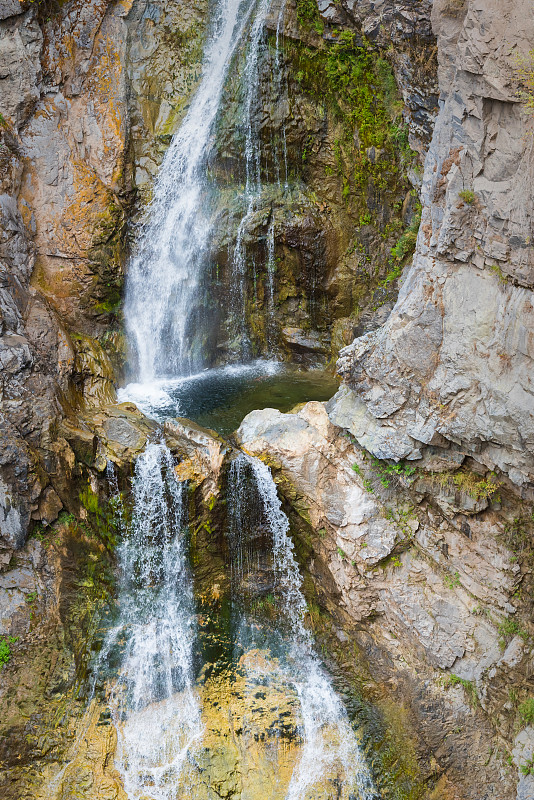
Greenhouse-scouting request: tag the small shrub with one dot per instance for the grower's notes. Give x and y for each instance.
(467, 196)
(341, 553)
(524, 71)
(472, 484)
(507, 629)
(5, 649)
(452, 581)
(528, 767)
(469, 686)
(526, 711)
(499, 273)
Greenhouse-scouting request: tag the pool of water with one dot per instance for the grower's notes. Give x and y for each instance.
(221, 398)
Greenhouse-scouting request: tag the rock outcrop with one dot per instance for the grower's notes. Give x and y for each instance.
(81, 126)
(424, 587)
(452, 367)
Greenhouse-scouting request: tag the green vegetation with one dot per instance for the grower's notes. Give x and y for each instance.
(452, 581)
(5, 649)
(404, 249)
(386, 471)
(308, 15)
(468, 482)
(469, 686)
(509, 628)
(102, 521)
(341, 553)
(519, 535)
(528, 767)
(360, 88)
(524, 71)
(526, 711)
(499, 273)
(467, 196)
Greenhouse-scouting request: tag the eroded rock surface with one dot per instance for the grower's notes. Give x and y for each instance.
(453, 364)
(421, 587)
(78, 81)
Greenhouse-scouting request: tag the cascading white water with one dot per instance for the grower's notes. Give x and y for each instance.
(153, 700)
(253, 176)
(164, 279)
(154, 703)
(330, 747)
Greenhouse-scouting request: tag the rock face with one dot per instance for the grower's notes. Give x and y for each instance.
(452, 367)
(329, 130)
(421, 585)
(77, 82)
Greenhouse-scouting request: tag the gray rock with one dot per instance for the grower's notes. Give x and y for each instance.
(454, 359)
(523, 753)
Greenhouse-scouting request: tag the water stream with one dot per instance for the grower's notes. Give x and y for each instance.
(158, 697)
(330, 756)
(163, 306)
(153, 699)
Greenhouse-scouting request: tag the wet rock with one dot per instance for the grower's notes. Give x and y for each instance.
(298, 339)
(49, 506)
(377, 555)
(203, 450)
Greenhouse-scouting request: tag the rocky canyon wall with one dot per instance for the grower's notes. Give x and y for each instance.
(417, 477)
(411, 490)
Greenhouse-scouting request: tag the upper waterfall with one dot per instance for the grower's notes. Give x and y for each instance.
(164, 277)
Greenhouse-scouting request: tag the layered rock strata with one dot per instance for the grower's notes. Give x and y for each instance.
(452, 367)
(429, 585)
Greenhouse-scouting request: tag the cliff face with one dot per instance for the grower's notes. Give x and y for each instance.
(452, 367)
(88, 90)
(424, 564)
(419, 551)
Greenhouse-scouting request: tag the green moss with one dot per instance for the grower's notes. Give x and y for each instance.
(102, 519)
(360, 89)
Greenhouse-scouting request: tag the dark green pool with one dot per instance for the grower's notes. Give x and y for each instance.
(221, 398)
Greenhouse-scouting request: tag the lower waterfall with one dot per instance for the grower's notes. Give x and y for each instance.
(160, 696)
(153, 701)
(330, 754)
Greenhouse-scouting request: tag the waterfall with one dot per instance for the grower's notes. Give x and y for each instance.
(330, 747)
(153, 700)
(163, 304)
(147, 655)
(254, 185)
